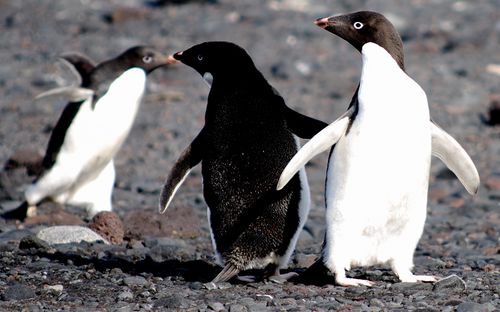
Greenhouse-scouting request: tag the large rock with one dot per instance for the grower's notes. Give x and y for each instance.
(65, 234)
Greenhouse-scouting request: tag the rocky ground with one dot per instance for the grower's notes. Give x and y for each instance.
(164, 262)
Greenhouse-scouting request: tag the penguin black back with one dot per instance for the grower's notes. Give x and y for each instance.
(246, 141)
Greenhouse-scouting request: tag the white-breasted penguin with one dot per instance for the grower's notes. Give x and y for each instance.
(247, 140)
(378, 170)
(78, 164)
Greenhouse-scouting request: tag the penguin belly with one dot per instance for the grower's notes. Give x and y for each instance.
(378, 174)
(92, 140)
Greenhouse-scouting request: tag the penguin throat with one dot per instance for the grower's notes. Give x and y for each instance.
(209, 78)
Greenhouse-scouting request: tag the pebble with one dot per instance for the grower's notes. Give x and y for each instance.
(56, 289)
(216, 306)
(451, 283)
(475, 307)
(135, 281)
(18, 292)
(126, 295)
(65, 234)
(109, 225)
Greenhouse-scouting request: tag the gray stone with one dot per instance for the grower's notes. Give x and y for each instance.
(65, 234)
(237, 308)
(450, 283)
(18, 292)
(135, 281)
(216, 306)
(475, 307)
(126, 295)
(32, 241)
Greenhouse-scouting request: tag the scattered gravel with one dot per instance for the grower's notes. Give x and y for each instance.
(165, 262)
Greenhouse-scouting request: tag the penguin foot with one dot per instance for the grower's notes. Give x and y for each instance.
(247, 278)
(345, 281)
(228, 272)
(419, 278)
(282, 278)
(20, 213)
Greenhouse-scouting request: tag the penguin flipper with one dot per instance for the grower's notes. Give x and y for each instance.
(189, 158)
(319, 143)
(228, 272)
(301, 125)
(72, 94)
(455, 158)
(80, 64)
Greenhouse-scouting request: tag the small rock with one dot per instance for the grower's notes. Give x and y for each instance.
(494, 110)
(492, 183)
(32, 241)
(55, 289)
(125, 295)
(18, 292)
(109, 225)
(376, 303)
(216, 306)
(135, 281)
(65, 234)
(237, 308)
(450, 283)
(475, 307)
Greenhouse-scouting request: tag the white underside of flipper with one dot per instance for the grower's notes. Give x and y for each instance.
(322, 141)
(455, 158)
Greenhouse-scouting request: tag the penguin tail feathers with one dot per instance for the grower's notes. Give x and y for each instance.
(228, 272)
(20, 213)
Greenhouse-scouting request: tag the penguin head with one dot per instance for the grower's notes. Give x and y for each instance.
(365, 26)
(143, 57)
(221, 60)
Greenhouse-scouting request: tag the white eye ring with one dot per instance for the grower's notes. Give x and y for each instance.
(358, 25)
(147, 59)
(200, 57)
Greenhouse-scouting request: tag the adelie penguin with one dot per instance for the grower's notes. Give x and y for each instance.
(247, 139)
(78, 164)
(378, 170)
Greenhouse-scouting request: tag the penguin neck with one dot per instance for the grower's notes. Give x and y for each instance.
(236, 102)
(381, 78)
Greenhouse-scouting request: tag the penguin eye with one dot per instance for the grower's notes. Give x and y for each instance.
(147, 59)
(200, 57)
(358, 25)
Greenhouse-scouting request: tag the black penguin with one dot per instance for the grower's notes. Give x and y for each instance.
(247, 139)
(378, 170)
(78, 164)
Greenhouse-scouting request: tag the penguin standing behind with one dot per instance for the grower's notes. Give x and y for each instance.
(378, 170)
(78, 164)
(247, 140)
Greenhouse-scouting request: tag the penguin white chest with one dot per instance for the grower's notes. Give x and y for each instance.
(97, 132)
(378, 172)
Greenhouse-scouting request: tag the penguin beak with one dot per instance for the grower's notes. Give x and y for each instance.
(171, 59)
(322, 22)
(329, 23)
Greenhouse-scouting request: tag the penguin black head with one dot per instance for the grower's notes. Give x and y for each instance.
(362, 27)
(217, 58)
(143, 57)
